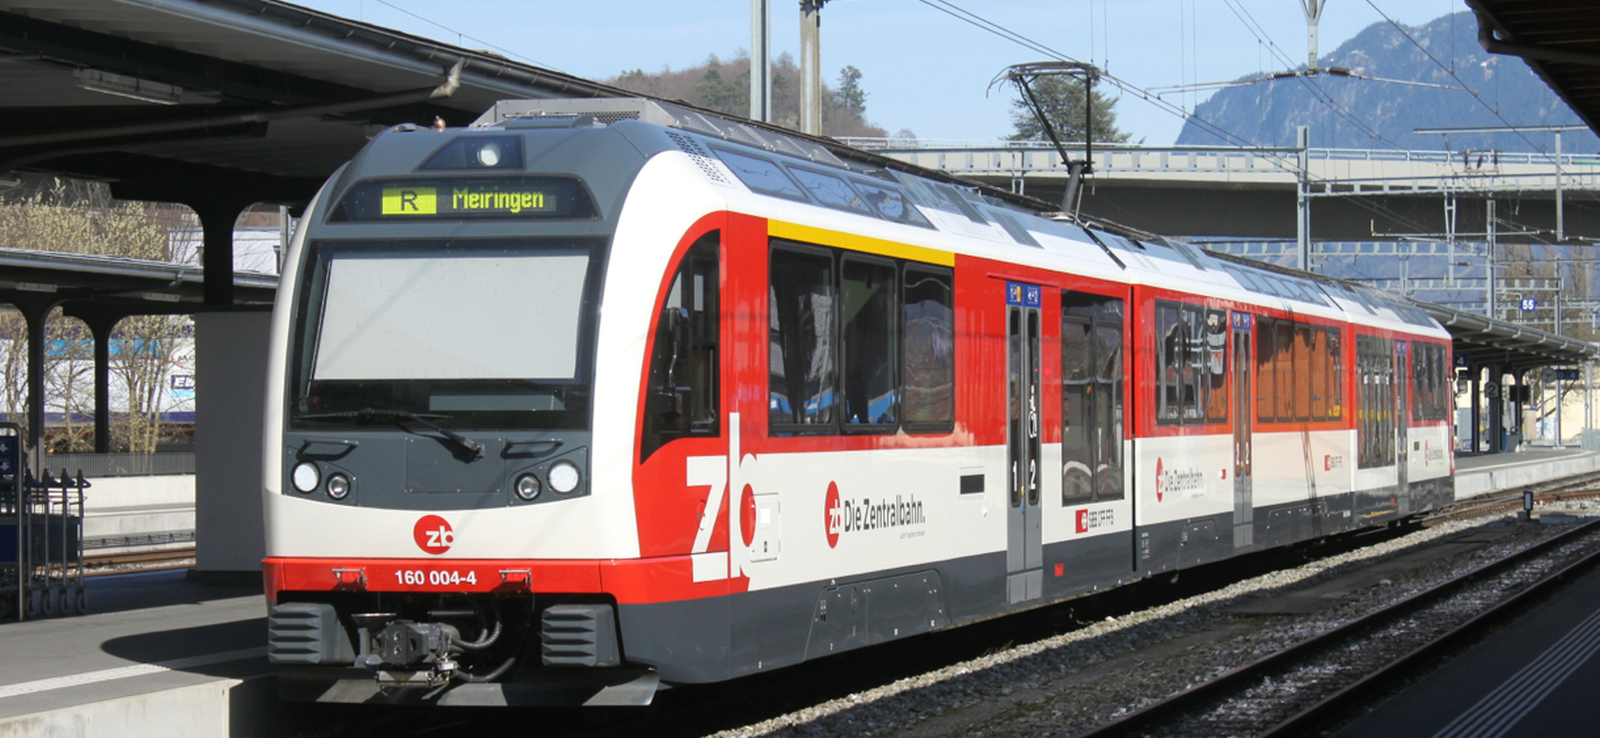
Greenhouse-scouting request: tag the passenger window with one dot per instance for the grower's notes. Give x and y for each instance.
(683, 393)
(802, 300)
(1169, 362)
(1216, 366)
(867, 312)
(930, 355)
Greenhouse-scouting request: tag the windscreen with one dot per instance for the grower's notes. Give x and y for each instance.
(447, 318)
(473, 335)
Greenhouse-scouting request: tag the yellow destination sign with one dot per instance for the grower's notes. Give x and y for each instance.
(410, 201)
(403, 200)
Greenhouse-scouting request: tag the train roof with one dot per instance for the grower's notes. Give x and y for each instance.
(709, 137)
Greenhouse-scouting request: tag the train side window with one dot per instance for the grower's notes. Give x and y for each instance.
(1319, 374)
(1194, 365)
(1333, 340)
(929, 349)
(1216, 366)
(1266, 365)
(1283, 366)
(1302, 371)
(1169, 364)
(1108, 409)
(1091, 398)
(683, 394)
(1191, 382)
(867, 315)
(802, 298)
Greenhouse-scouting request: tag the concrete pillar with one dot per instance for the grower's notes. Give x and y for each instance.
(1497, 410)
(217, 219)
(761, 60)
(230, 397)
(811, 66)
(34, 312)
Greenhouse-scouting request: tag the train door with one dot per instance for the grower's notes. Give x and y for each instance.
(1024, 540)
(1402, 416)
(1243, 413)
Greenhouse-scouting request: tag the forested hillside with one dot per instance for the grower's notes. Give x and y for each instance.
(725, 86)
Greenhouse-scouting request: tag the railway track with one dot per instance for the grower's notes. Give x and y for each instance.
(1321, 676)
(123, 562)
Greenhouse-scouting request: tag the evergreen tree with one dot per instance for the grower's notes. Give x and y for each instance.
(1062, 100)
(850, 94)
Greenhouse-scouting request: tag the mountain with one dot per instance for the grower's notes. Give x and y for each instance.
(1345, 112)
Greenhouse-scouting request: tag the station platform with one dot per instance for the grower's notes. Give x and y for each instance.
(1531, 679)
(166, 656)
(1478, 474)
(158, 655)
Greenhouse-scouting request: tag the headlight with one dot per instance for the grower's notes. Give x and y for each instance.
(527, 486)
(489, 154)
(564, 477)
(306, 477)
(338, 486)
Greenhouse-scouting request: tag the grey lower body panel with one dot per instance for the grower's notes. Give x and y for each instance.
(623, 687)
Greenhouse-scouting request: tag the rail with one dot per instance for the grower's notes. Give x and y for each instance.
(1230, 683)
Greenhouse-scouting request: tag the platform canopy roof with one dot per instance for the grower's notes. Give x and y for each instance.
(1514, 347)
(1559, 39)
(192, 101)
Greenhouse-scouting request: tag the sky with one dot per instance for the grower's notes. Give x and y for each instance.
(925, 69)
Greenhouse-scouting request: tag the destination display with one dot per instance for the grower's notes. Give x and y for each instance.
(455, 199)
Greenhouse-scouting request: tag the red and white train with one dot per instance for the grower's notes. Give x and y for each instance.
(595, 397)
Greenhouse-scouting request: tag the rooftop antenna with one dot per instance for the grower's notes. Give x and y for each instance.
(1023, 76)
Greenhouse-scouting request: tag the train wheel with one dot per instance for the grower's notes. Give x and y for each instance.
(50, 604)
(69, 600)
(83, 600)
(34, 604)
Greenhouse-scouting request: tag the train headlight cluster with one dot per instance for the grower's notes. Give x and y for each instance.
(564, 477)
(306, 477)
(489, 154)
(527, 486)
(338, 486)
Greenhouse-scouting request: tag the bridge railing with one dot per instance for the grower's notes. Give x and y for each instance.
(1020, 157)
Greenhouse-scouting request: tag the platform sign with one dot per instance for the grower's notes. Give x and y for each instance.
(8, 457)
(1463, 361)
(1567, 375)
(1529, 304)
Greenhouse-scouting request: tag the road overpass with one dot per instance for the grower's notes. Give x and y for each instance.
(1356, 194)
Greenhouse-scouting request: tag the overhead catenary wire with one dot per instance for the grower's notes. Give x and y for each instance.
(1270, 153)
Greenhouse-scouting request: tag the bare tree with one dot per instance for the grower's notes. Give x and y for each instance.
(81, 217)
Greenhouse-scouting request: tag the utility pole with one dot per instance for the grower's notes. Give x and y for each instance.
(1561, 220)
(1313, 9)
(1489, 298)
(761, 60)
(811, 66)
(1302, 219)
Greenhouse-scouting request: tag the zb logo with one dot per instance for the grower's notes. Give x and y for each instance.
(433, 534)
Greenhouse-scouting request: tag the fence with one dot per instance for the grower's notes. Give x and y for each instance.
(121, 465)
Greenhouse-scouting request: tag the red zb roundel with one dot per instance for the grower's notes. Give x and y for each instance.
(832, 515)
(747, 516)
(433, 534)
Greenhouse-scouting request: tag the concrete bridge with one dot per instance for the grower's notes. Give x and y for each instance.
(1357, 194)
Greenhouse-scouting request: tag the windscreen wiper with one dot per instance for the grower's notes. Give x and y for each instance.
(368, 413)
